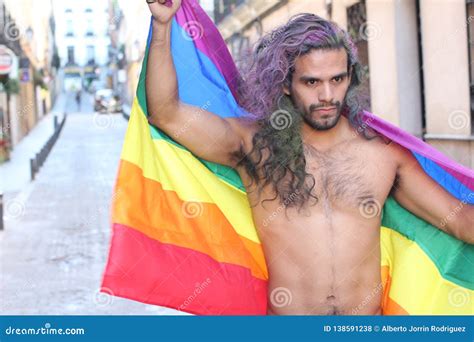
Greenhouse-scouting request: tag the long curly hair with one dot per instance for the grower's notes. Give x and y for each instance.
(277, 157)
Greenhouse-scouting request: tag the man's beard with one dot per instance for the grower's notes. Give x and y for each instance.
(322, 124)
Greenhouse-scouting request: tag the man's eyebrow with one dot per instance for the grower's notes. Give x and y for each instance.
(341, 75)
(313, 78)
(309, 78)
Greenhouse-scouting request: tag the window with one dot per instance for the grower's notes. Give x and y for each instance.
(90, 54)
(69, 28)
(90, 28)
(70, 55)
(68, 10)
(88, 10)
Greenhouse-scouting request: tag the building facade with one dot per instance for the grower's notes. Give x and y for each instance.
(28, 63)
(417, 56)
(82, 37)
(132, 35)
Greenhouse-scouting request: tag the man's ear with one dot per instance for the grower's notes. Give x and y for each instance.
(286, 90)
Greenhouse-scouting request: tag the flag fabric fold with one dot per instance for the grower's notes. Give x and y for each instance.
(183, 235)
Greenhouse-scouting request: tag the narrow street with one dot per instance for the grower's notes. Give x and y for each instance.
(55, 242)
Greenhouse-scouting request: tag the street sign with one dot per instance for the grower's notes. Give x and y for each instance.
(6, 60)
(24, 75)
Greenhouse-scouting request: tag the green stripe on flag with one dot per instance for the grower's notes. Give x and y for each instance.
(453, 258)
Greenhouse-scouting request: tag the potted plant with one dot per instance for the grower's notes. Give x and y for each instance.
(4, 148)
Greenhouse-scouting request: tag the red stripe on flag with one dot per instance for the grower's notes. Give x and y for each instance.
(152, 272)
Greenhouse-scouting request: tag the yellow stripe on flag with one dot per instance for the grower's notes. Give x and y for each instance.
(186, 175)
(417, 285)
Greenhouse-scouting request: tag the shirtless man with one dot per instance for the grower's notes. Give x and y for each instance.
(325, 254)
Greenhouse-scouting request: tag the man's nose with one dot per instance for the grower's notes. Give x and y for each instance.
(326, 93)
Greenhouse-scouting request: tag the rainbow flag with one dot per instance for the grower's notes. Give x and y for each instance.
(183, 234)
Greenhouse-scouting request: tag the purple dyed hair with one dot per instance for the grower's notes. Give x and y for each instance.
(277, 157)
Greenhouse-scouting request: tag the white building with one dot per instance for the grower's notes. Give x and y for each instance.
(208, 6)
(83, 40)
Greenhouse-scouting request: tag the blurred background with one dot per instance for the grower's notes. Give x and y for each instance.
(80, 60)
(417, 56)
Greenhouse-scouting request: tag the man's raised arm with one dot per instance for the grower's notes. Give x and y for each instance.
(206, 135)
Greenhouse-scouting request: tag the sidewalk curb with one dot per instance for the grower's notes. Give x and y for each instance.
(40, 157)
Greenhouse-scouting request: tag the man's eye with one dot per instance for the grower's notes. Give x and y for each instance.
(338, 79)
(312, 82)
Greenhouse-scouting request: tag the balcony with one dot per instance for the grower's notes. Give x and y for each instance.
(224, 8)
(243, 14)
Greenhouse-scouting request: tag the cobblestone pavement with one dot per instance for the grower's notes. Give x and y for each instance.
(55, 243)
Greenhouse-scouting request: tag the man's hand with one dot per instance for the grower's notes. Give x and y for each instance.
(162, 12)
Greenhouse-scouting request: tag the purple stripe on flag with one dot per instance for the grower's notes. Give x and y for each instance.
(461, 173)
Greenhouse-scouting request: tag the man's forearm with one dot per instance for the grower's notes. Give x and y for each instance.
(460, 222)
(466, 231)
(161, 81)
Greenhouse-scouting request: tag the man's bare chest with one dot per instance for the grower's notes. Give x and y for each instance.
(349, 176)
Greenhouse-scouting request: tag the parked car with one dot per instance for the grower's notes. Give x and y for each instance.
(106, 101)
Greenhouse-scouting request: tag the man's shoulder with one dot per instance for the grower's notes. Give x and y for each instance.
(381, 146)
(396, 153)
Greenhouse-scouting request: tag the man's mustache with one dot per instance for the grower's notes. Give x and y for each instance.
(314, 107)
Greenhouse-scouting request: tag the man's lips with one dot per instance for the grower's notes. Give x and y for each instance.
(325, 110)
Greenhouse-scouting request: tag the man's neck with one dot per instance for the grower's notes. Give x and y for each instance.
(325, 140)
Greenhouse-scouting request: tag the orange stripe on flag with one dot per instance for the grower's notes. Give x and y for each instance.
(142, 204)
(389, 306)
